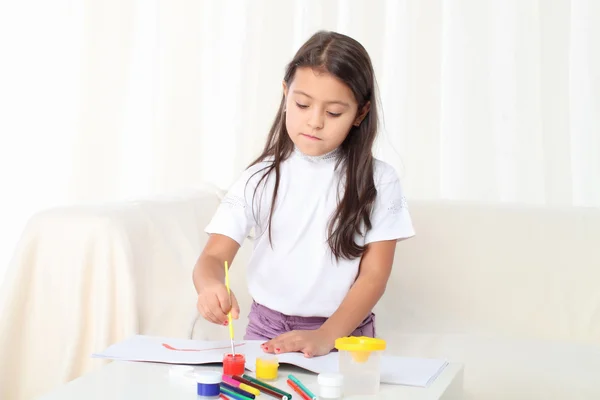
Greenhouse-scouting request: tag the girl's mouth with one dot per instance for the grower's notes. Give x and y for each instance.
(310, 137)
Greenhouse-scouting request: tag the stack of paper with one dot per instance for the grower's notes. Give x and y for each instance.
(394, 370)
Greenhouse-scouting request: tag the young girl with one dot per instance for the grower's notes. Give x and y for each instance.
(326, 214)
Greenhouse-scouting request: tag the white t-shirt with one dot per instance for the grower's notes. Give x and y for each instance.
(298, 275)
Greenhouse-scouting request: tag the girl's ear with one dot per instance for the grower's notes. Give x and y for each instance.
(285, 93)
(285, 88)
(362, 114)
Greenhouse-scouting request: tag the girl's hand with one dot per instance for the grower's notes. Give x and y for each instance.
(214, 305)
(311, 343)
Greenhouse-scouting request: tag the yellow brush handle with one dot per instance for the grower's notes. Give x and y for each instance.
(229, 293)
(230, 326)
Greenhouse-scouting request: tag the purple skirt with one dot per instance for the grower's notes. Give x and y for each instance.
(266, 324)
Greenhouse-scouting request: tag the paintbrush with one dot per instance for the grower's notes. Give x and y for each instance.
(229, 314)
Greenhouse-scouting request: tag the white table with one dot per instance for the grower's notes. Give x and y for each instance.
(124, 380)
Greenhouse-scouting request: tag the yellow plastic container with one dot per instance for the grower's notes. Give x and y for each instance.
(360, 363)
(267, 368)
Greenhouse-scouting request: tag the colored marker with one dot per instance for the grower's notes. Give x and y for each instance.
(298, 390)
(234, 395)
(237, 390)
(228, 379)
(301, 386)
(263, 389)
(266, 385)
(249, 389)
(222, 396)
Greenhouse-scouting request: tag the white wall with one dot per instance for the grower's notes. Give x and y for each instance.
(102, 100)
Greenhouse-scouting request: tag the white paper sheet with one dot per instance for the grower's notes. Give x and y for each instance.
(408, 371)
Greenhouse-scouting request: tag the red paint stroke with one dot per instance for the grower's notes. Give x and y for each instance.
(169, 347)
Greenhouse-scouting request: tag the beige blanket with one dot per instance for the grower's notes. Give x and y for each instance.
(85, 277)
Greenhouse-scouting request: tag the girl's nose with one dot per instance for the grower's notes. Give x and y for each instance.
(316, 120)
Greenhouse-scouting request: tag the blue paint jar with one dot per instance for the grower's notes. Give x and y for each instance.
(208, 384)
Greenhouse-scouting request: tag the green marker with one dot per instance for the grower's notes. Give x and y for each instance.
(233, 395)
(301, 386)
(273, 388)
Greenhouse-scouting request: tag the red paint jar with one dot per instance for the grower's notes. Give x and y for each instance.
(234, 364)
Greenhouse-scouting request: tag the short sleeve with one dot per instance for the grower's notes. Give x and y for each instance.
(233, 217)
(390, 219)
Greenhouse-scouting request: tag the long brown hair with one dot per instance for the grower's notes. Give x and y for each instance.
(346, 59)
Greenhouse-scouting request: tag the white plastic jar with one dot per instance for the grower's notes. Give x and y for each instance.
(208, 384)
(330, 385)
(360, 364)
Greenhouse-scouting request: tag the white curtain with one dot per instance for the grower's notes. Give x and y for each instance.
(103, 100)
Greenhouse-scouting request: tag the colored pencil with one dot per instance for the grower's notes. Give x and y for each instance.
(263, 389)
(301, 386)
(237, 390)
(234, 395)
(263, 384)
(298, 390)
(222, 396)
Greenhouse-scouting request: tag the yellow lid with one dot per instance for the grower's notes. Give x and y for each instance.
(361, 343)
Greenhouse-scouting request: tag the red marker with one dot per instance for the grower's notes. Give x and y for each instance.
(298, 390)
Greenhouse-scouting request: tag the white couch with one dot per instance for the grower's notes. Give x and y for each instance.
(513, 292)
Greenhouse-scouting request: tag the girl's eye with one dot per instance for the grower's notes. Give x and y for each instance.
(331, 114)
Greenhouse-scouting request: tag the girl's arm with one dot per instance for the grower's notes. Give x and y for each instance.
(209, 277)
(209, 267)
(374, 272)
(390, 220)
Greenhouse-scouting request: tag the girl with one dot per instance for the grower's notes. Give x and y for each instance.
(326, 214)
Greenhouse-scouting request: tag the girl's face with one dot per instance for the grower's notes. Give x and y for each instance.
(320, 110)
